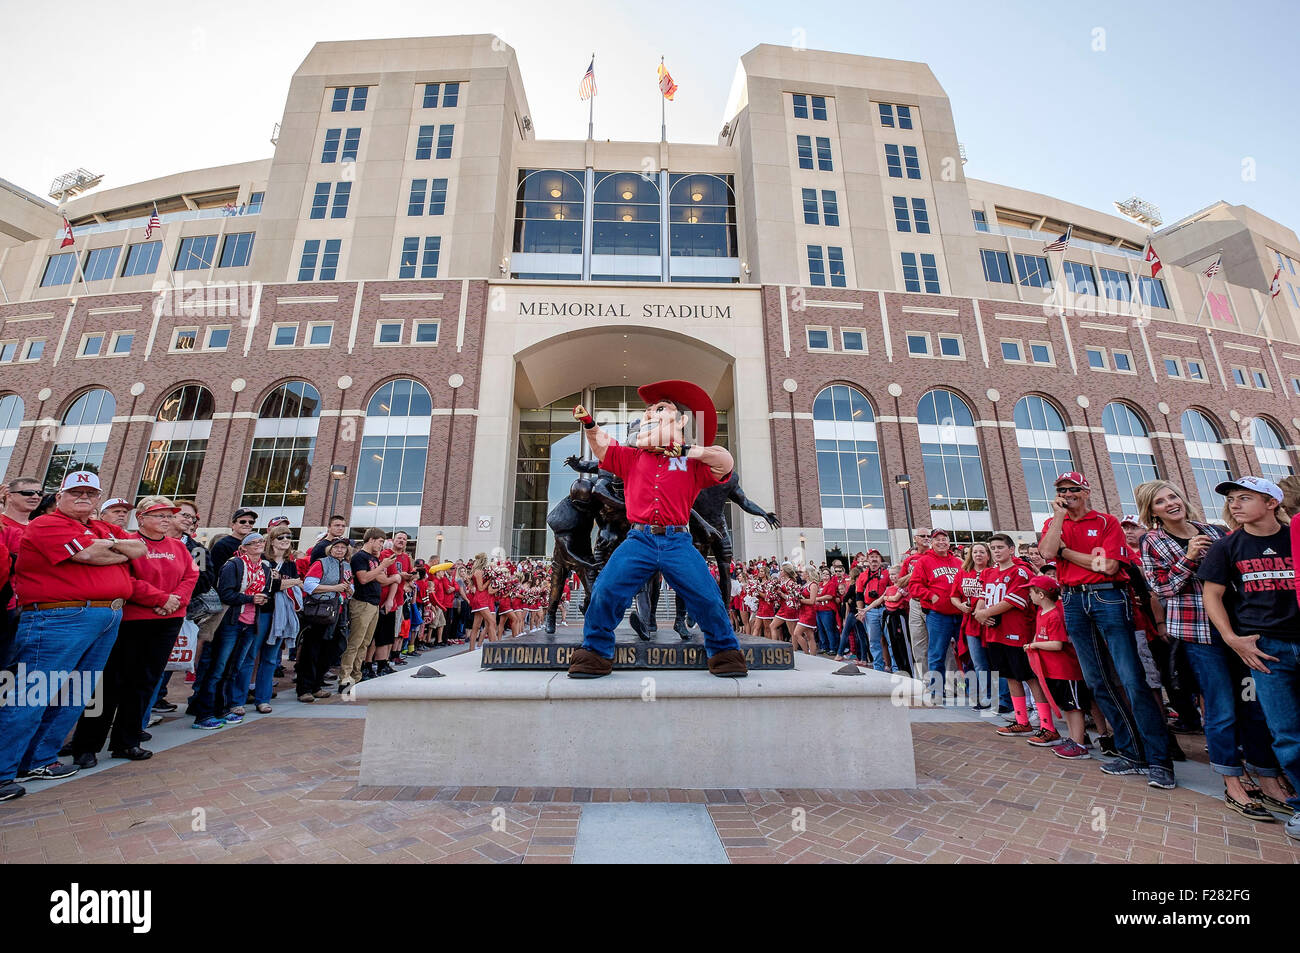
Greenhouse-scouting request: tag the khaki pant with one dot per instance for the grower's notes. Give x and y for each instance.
(920, 637)
(364, 617)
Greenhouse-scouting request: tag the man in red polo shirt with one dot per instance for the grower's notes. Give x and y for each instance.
(661, 476)
(1090, 551)
(71, 580)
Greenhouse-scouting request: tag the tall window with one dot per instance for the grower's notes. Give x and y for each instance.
(1080, 278)
(702, 213)
(177, 444)
(394, 450)
(59, 270)
(11, 415)
(1116, 284)
(1274, 458)
(1131, 457)
(548, 213)
(1209, 458)
(997, 267)
(954, 470)
(1044, 452)
(196, 253)
(82, 437)
(1033, 270)
(236, 250)
(142, 259)
(284, 442)
(848, 471)
(625, 215)
(101, 263)
(413, 262)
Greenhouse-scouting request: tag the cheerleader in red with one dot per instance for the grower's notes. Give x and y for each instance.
(805, 632)
(787, 612)
(765, 590)
(480, 602)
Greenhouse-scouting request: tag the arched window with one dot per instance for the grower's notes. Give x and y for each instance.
(1131, 458)
(11, 415)
(702, 210)
(177, 444)
(548, 215)
(954, 472)
(1209, 458)
(284, 442)
(82, 438)
(848, 471)
(1044, 452)
(394, 450)
(1274, 459)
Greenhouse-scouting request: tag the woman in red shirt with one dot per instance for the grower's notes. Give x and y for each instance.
(480, 602)
(966, 592)
(787, 610)
(805, 633)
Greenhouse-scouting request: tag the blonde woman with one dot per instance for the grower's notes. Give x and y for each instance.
(805, 632)
(787, 609)
(1171, 555)
(480, 602)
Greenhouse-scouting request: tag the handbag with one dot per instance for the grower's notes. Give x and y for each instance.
(204, 606)
(319, 612)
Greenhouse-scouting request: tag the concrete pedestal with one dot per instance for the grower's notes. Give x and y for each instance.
(806, 728)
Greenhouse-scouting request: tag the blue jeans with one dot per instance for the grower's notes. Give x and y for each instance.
(1100, 625)
(1279, 696)
(875, 631)
(224, 655)
(72, 641)
(268, 659)
(1229, 719)
(851, 624)
(639, 555)
(943, 629)
(979, 661)
(252, 652)
(826, 638)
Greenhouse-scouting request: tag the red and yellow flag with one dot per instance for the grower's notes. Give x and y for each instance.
(666, 84)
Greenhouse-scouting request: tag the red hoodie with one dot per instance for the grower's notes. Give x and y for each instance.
(167, 569)
(934, 575)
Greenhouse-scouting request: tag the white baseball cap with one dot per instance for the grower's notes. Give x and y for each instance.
(1257, 484)
(80, 478)
(116, 501)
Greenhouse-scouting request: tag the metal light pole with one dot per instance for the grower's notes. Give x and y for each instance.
(438, 557)
(337, 472)
(904, 481)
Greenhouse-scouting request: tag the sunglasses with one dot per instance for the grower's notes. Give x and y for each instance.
(26, 492)
(245, 522)
(1069, 489)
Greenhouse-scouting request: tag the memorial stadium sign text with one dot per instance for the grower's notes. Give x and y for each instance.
(621, 309)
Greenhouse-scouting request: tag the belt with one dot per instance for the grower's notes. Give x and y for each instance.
(1095, 587)
(95, 604)
(657, 529)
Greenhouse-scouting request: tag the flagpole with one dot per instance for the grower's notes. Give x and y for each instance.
(591, 100)
(1206, 298)
(76, 253)
(663, 109)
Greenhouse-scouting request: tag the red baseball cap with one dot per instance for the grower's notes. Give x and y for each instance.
(1073, 477)
(1045, 583)
(158, 508)
(689, 395)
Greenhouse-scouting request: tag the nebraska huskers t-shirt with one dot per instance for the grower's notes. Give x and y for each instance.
(1260, 578)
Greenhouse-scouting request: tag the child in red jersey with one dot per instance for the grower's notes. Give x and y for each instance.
(1008, 616)
(1053, 659)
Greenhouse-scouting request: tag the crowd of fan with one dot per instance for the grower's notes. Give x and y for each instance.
(1143, 627)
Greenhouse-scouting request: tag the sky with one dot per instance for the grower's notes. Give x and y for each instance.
(1182, 104)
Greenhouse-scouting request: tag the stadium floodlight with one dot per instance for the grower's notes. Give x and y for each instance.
(1140, 211)
(73, 183)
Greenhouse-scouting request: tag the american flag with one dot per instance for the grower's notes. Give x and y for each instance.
(1214, 269)
(1062, 243)
(154, 222)
(587, 88)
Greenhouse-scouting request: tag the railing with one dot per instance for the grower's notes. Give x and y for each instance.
(189, 215)
(1012, 232)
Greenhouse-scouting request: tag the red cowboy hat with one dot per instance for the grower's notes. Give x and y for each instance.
(691, 396)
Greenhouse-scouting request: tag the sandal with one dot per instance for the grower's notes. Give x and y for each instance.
(264, 709)
(306, 698)
(321, 693)
(1252, 808)
(238, 711)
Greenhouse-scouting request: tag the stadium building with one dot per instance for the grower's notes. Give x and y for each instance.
(393, 315)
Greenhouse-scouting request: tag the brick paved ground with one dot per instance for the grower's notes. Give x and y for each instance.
(284, 789)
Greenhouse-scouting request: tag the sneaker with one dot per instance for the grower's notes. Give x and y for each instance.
(1071, 750)
(1292, 826)
(145, 736)
(384, 669)
(234, 719)
(1107, 745)
(1122, 765)
(344, 687)
(154, 719)
(9, 790)
(1016, 730)
(164, 706)
(1043, 738)
(51, 772)
(1161, 777)
(86, 759)
(208, 724)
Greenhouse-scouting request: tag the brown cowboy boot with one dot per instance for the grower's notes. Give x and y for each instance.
(728, 663)
(587, 664)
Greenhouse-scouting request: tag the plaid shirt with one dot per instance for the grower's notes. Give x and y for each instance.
(1172, 577)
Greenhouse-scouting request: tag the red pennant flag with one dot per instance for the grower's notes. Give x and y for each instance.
(1275, 286)
(1154, 259)
(67, 234)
